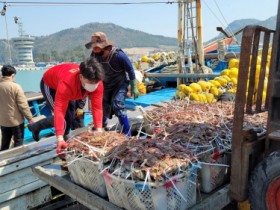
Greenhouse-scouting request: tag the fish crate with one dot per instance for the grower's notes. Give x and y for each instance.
(85, 173)
(214, 173)
(179, 192)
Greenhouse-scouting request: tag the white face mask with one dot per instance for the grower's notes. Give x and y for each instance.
(91, 87)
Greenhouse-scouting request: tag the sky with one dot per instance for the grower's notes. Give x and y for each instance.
(158, 19)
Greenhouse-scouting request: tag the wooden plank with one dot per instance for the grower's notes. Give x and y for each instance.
(22, 152)
(23, 190)
(19, 178)
(216, 201)
(83, 196)
(27, 162)
(31, 96)
(29, 200)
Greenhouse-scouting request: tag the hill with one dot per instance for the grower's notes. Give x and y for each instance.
(68, 45)
(239, 24)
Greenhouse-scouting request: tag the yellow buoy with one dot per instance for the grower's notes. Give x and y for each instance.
(210, 98)
(234, 81)
(215, 83)
(194, 97)
(214, 90)
(233, 73)
(205, 86)
(233, 63)
(145, 59)
(181, 87)
(226, 77)
(225, 72)
(222, 81)
(196, 87)
(187, 90)
(202, 97)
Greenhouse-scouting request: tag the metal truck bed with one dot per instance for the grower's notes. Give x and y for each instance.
(56, 175)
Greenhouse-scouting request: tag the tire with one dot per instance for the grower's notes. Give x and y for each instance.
(264, 184)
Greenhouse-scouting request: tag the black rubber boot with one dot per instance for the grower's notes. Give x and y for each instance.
(36, 127)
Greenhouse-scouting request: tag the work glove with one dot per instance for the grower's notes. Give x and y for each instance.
(79, 112)
(61, 144)
(134, 89)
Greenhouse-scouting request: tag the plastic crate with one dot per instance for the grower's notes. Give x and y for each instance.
(214, 173)
(85, 173)
(180, 193)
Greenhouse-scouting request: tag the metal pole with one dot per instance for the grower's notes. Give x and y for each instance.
(181, 42)
(9, 46)
(199, 33)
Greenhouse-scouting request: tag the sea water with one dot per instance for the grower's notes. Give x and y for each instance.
(30, 79)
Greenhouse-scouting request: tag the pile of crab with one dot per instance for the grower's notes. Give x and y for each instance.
(93, 145)
(178, 136)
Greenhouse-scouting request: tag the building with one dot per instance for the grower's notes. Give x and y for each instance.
(24, 45)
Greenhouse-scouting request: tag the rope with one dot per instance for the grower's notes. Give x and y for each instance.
(214, 14)
(230, 31)
(34, 3)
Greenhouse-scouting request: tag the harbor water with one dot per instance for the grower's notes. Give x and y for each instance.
(30, 79)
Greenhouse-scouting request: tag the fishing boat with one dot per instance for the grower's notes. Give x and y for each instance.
(29, 191)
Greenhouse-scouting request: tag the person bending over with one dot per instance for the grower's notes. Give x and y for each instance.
(61, 85)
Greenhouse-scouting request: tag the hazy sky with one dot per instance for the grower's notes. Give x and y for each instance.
(157, 19)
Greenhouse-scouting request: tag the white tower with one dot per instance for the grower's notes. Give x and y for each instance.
(24, 44)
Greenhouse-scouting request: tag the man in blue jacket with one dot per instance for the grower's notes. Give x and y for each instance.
(119, 73)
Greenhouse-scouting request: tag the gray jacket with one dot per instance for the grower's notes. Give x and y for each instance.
(14, 106)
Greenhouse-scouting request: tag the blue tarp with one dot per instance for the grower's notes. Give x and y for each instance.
(151, 98)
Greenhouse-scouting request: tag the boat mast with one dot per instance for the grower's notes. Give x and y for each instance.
(181, 39)
(199, 32)
(190, 38)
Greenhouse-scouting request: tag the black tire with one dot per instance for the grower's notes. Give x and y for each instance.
(264, 181)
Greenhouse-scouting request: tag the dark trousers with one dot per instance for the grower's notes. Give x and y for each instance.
(9, 132)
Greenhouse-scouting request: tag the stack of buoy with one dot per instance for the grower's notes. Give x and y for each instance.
(209, 91)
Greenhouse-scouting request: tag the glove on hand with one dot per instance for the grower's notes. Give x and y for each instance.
(79, 112)
(134, 89)
(61, 144)
(30, 121)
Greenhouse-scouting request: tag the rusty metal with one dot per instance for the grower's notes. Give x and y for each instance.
(272, 142)
(246, 103)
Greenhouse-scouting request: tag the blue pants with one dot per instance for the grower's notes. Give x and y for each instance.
(119, 100)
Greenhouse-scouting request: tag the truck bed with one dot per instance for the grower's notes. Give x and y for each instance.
(56, 175)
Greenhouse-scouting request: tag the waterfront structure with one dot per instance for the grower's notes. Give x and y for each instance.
(24, 45)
